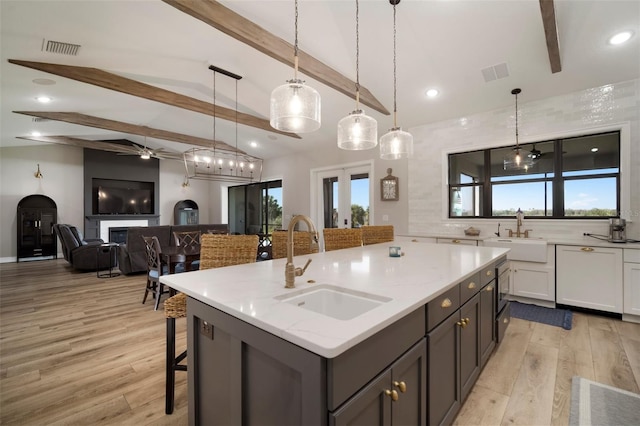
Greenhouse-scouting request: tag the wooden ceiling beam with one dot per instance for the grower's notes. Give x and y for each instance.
(99, 145)
(119, 126)
(120, 84)
(548, 12)
(224, 19)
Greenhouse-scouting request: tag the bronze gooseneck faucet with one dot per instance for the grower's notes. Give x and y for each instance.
(290, 271)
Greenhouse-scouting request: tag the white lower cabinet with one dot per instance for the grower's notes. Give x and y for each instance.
(534, 280)
(529, 280)
(589, 277)
(632, 282)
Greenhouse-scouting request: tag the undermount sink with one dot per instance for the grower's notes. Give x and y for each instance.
(332, 301)
(525, 249)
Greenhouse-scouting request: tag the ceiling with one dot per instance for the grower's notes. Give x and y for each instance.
(441, 44)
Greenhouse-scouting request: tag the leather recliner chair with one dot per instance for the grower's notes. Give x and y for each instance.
(80, 253)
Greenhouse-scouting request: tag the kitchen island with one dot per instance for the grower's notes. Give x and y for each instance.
(256, 355)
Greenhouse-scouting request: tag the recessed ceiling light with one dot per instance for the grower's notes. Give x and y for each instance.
(36, 133)
(43, 99)
(44, 81)
(594, 149)
(432, 93)
(253, 144)
(620, 37)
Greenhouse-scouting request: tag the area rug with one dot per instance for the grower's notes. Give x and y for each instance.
(597, 404)
(558, 317)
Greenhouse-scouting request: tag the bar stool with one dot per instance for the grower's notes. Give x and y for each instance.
(174, 307)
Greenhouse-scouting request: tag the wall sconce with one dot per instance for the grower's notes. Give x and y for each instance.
(37, 174)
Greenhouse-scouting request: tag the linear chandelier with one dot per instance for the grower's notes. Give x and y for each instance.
(222, 165)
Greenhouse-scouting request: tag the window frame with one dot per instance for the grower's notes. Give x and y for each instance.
(557, 180)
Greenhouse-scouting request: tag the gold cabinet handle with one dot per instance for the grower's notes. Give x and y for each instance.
(461, 324)
(489, 273)
(587, 249)
(392, 393)
(446, 303)
(401, 385)
(471, 285)
(467, 320)
(455, 241)
(489, 288)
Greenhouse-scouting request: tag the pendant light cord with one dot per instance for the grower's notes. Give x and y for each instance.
(295, 44)
(237, 165)
(395, 108)
(357, 56)
(214, 114)
(517, 142)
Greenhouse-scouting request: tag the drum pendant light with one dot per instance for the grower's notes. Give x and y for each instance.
(396, 143)
(295, 107)
(519, 158)
(357, 131)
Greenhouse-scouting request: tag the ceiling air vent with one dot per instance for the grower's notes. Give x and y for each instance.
(60, 47)
(495, 72)
(39, 119)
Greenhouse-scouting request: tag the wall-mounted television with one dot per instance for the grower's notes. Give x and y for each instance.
(124, 197)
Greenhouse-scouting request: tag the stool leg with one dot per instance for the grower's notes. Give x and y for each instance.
(171, 372)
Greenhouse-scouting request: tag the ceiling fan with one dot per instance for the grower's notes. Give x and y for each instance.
(145, 152)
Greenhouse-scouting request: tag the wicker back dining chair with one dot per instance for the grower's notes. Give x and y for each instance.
(216, 250)
(188, 239)
(339, 238)
(226, 250)
(374, 234)
(154, 270)
(302, 243)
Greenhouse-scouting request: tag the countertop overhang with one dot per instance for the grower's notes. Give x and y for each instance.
(248, 292)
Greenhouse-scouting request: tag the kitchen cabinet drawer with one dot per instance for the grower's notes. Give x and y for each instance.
(631, 256)
(488, 274)
(469, 288)
(457, 241)
(503, 322)
(442, 306)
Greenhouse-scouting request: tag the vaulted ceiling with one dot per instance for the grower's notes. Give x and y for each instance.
(162, 50)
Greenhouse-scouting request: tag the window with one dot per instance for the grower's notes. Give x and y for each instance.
(576, 177)
(255, 208)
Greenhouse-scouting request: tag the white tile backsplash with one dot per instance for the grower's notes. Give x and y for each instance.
(560, 116)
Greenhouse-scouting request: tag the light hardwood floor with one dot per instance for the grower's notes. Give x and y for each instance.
(79, 350)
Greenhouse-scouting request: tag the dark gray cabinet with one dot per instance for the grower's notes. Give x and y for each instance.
(36, 216)
(443, 389)
(487, 322)
(469, 355)
(240, 374)
(395, 397)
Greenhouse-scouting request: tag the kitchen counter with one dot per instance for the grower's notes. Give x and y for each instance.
(562, 240)
(248, 292)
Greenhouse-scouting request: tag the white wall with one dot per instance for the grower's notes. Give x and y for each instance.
(61, 167)
(612, 106)
(294, 170)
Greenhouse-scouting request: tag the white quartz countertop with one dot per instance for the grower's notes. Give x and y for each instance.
(561, 240)
(248, 292)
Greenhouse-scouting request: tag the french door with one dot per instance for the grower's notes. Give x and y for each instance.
(342, 196)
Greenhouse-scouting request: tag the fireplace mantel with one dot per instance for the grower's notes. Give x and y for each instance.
(97, 226)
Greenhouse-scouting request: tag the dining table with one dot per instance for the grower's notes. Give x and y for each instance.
(175, 255)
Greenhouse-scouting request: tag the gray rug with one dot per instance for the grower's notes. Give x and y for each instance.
(558, 317)
(597, 404)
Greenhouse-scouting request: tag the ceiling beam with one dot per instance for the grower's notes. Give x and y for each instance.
(121, 84)
(100, 145)
(119, 126)
(223, 19)
(548, 12)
